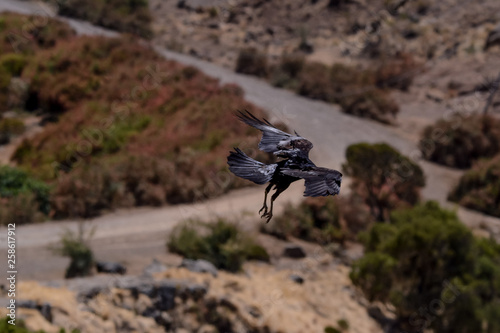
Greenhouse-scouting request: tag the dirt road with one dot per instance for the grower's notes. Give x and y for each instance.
(137, 235)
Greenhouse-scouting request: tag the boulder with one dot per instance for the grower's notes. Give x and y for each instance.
(110, 267)
(155, 267)
(294, 251)
(296, 278)
(199, 266)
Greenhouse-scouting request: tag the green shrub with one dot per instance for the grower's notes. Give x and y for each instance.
(13, 63)
(21, 209)
(331, 329)
(130, 16)
(75, 245)
(397, 72)
(354, 89)
(460, 141)
(251, 61)
(286, 73)
(10, 127)
(14, 182)
(479, 188)
(317, 220)
(427, 259)
(321, 220)
(343, 324)
(371, 103)
(315, 83)
(383, 177)
(220, 242)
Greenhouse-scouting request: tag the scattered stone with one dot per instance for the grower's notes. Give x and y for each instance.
(296, 278)
(166, 292)
(254, 311)
(294, 251)
(435, 95)
(110, 267)
(155, 267)
(46, 311)
(27, 304)
(199, 266)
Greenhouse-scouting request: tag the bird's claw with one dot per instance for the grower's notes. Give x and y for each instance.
(268, 215)
(264, 208)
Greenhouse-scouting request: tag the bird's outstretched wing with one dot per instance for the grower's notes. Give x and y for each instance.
(318, 181)
(275, 140)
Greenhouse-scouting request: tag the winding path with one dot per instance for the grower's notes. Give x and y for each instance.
(135, 234)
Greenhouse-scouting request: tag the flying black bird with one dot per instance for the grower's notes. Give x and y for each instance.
(295, 164)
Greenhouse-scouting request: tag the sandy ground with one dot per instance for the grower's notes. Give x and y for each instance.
(136, 236)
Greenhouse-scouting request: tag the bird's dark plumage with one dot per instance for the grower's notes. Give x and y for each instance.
(295, 165)
(273, 139)
(319, 181)
(246, 167)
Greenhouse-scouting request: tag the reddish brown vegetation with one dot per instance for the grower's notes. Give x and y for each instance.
(129, 128)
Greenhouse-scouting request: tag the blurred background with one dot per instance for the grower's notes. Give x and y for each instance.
(116, 118)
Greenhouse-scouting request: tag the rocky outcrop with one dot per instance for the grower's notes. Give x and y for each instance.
(179, 300)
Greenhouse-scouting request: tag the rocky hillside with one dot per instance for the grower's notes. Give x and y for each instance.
(178, 300)
(457, 42)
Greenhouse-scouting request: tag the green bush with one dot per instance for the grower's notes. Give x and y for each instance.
(321, 220)
(317, 220)
(13, 63)
(21, 209)
(426, 259)
(371, 103)
(14, 182)
(220, 242)
(10, 127)
(383, 177)
(75, 245)
(479, 188)
(251, 61)
(354, 89)
(460, 141)
(130, 16)
(286, 73)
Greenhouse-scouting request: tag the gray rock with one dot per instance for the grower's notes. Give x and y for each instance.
(46, 311)
(110, 267)
(296, 278)
(199, 266)
(436, 95)
(294, 251)
(27, 304)
(166, 292)
(154, 267)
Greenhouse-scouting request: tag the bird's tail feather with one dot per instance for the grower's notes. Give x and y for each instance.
(246, 167)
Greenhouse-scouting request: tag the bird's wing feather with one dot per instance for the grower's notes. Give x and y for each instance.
(273, 139)
(246, 167)
(318, 181)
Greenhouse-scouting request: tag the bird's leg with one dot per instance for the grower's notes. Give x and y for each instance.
(269, 214)
(264, 207)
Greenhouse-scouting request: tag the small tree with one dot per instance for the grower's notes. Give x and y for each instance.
(433, 271)
(75, 245)
(383, 177)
